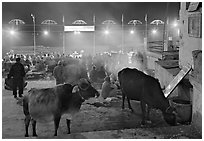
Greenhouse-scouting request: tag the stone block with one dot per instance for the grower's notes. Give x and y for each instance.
(197, 65)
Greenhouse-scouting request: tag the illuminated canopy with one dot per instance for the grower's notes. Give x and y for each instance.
(157, 22)
(16, 21)
(79, 28)
(79, 22)
(49, 22)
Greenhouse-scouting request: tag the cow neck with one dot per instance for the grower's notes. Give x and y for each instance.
(169, 107)
(80, 93)
(166, 111)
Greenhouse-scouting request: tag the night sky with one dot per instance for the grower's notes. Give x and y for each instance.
(85, 11)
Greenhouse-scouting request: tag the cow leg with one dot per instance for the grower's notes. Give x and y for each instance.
(143, 107)
(147, 114)
(27, 122)
(34, 127)
(148, 108)
(56, 121)
(129, 105)
(68, 125)
(123, 103)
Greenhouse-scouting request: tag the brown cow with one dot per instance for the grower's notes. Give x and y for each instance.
(47, 104)
(144, 88)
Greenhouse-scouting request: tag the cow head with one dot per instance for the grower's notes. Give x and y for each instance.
(85, 89)
(170, 116)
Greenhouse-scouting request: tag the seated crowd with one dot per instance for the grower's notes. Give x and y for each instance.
(101, 69)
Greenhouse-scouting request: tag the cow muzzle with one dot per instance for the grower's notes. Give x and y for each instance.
(172, 110)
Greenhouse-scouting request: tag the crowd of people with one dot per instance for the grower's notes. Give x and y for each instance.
(38, 62)
(101, 69)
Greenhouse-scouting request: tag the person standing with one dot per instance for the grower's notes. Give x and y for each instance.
(101, 74)
(93, 74)
(58, 73)
(17, 72)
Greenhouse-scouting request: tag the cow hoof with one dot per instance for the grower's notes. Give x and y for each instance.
(26, 135)
(35, 135)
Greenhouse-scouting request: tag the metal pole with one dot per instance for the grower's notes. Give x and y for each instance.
(164, 30)
(94, 38)
(122, 34)
(34, 39)
(63, 43)
(63, 48)
(146, 33)
(33, 17)
(94, 43)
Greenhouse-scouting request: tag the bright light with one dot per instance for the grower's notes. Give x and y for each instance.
(154, 31)
(82, 51)
(132, 32)
(106, 32)
(45, 32)
(12, 32)
(175, 24)
(178, 32)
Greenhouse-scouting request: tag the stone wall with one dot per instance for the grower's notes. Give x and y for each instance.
(190, 51)
(197, 65)
(188, 43)
(197, 105)
(196, 81)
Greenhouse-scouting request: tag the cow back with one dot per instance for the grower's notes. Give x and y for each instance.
(139, 86)
(44, 103)
(153, 94)
(131, 82)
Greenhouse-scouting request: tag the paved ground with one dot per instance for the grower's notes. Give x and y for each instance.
(92, 122)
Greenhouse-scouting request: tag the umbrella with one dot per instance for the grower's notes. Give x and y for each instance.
(49, 22)
(157, 22)
(79, 22)
(16, 21)
(108, 22)
(134, 22)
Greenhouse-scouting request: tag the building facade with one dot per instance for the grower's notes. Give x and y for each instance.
(190, 51)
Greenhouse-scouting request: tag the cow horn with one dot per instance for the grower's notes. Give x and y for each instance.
(75, 89)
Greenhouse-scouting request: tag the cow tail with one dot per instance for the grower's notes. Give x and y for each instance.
(25, 106)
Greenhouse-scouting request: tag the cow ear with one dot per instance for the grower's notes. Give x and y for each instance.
(75, 89)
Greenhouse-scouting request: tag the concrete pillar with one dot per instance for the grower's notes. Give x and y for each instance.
(196, 81)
